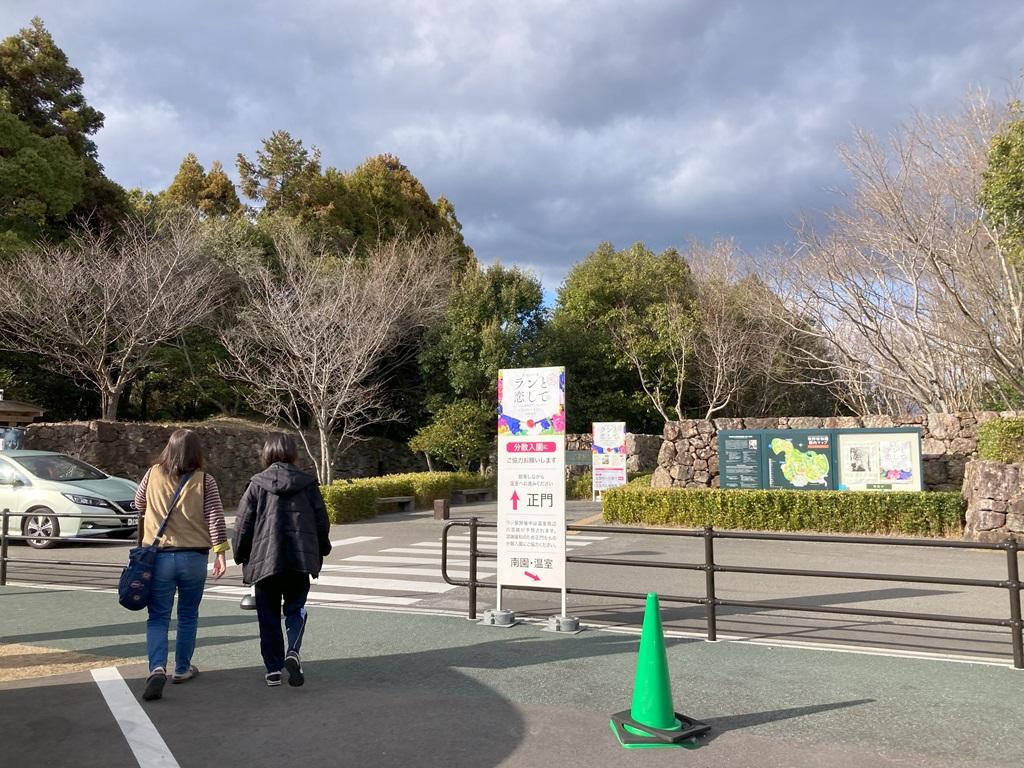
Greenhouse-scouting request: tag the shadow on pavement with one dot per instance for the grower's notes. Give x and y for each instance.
(419, 709)
(137, 627)
(727, 723)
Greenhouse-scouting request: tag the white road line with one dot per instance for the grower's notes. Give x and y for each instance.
(143, 738)
(385, 570)
(316, 596)
(462, 549)
(224, 589)
(353, 540)
(390, 585)
(463, 554)
(350, 597)
(481, 564)
(494, 536)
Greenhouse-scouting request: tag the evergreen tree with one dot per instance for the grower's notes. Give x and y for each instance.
(41, 88)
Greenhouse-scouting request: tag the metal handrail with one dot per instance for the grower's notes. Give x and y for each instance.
(711, 601)
(6, 537)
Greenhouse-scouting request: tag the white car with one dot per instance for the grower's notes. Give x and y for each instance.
(39, 486)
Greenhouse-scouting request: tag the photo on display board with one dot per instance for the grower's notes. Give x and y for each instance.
(896, 463)
(860, 462)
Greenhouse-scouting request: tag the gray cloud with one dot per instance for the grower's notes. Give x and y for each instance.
(550, 125)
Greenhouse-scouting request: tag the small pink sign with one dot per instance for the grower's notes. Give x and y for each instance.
(531, 446)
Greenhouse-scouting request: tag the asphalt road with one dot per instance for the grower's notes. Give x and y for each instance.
(388, 689)
(392, 562)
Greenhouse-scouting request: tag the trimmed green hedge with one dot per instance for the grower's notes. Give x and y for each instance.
(580, 487)
(1002, 440)
(346, 503)
(358, 500)
(874, 512)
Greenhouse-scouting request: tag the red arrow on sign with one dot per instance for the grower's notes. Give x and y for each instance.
(532, 576)
(515, 501)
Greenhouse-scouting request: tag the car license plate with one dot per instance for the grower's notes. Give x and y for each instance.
(133, 520)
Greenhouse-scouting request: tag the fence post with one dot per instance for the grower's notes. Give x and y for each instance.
(472, 567)
(6, 514)
(709, 580)
(1013, 582)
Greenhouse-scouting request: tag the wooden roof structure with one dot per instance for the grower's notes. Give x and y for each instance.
(14, 413)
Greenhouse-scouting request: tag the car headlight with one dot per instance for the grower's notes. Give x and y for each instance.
(87, 501)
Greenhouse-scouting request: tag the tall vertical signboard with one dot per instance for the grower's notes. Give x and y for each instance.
(531, 478)
(608, 464)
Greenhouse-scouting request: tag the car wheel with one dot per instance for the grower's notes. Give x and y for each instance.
(38, 524)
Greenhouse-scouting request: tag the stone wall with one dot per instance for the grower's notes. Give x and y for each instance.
(232, 450)
(689, 452)
(995, 501)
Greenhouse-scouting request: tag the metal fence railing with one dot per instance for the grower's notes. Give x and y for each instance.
(7, 536)
(710, 568)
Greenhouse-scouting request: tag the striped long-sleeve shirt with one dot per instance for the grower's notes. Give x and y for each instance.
(213, 510)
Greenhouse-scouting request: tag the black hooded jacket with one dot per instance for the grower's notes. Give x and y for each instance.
(282, 524)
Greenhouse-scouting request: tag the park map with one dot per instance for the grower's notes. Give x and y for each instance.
(801, 468)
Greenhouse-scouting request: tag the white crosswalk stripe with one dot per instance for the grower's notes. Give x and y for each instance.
(401, 575)
(483, 564)
(316, 596)
(353, 540)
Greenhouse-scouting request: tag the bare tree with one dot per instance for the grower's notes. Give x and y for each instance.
(659, 344)
(316, 335)
(912, 296)
(735, 344)
(97, 307)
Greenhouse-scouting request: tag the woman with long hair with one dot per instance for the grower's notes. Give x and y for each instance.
(178, 488)
(282, 535)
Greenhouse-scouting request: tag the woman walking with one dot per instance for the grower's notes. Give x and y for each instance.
(177, 488)
(282, 535)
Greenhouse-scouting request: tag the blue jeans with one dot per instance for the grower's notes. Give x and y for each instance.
(184, 572)
(289, 588)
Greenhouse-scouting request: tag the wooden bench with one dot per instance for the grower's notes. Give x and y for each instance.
(404, 503)
(465, 495)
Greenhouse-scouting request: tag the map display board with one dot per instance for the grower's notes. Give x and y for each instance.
(821, 459)
(879, 460)
(740, 459)
(531, 477)
(799, 459)
(609, 456)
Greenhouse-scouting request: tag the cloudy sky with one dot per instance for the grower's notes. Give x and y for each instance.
(551, 125)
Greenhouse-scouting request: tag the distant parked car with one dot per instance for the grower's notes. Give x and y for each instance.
(36, 486)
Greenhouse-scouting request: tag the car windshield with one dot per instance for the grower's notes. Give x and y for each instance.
(60, 468)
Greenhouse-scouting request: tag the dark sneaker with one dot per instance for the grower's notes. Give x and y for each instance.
(185, 676)
(155, 685)
(273, 679)
(295, 676)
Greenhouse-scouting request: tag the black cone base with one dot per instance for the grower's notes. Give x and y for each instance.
(657, 737)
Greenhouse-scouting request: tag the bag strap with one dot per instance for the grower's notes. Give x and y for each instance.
(174, 500)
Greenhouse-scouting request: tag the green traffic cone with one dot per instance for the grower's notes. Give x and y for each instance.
(652, 691)
(652, 721)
